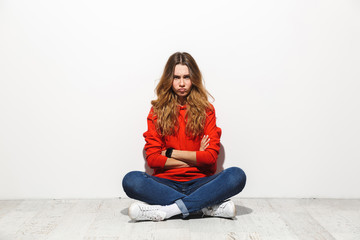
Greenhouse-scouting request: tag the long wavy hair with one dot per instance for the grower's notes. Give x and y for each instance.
(166, 106)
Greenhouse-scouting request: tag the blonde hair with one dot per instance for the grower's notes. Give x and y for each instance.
(166, 106)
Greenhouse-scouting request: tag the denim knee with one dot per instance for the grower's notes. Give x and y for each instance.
(130, 182)
(237, 178)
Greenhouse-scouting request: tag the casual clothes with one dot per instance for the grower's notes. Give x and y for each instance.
(205, 160)
(190, 196)
(191, 188)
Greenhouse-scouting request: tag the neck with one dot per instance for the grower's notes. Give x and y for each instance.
(182, 101)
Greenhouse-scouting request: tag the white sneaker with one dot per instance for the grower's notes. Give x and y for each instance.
(143, 211)
(226, 209)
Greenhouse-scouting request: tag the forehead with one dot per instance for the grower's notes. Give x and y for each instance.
(181, 70)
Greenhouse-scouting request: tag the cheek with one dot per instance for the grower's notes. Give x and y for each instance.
(190, 84)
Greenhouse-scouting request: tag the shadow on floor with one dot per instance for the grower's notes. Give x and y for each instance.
(124, 211)
(241, 210)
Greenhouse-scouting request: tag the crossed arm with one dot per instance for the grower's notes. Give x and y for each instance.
(181, 159)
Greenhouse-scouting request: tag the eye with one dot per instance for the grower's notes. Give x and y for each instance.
(176, 77)
(187, 76)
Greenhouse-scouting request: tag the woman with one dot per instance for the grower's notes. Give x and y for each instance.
(182, 146)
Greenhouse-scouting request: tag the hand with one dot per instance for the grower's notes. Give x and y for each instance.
(183, 165)
(173, 163)
(204, 142)
(163, 153)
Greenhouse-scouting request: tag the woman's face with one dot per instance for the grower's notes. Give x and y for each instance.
(181, 82)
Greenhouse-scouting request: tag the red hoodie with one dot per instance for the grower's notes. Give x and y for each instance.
(205, 160)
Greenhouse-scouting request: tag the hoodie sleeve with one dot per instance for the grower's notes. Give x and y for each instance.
(210, 155)
(154, 144)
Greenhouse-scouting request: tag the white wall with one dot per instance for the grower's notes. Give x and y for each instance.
(77, 78)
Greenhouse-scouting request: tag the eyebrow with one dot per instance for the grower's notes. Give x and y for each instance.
(186, 75)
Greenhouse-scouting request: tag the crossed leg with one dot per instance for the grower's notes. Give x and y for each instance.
(189, 196)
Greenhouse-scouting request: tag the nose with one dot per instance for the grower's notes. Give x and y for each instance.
(182, 82)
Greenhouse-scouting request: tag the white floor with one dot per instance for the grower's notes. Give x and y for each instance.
(107, 219)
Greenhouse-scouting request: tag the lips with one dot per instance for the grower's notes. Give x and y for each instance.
(182, 90)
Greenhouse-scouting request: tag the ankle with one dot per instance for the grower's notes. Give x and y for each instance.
(171, 210)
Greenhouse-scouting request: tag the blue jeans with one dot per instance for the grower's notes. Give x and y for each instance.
(190, 196)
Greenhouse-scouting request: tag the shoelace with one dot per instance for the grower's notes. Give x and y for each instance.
(215, 210)
(148, 211)
(219, 210)
(210, 211)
